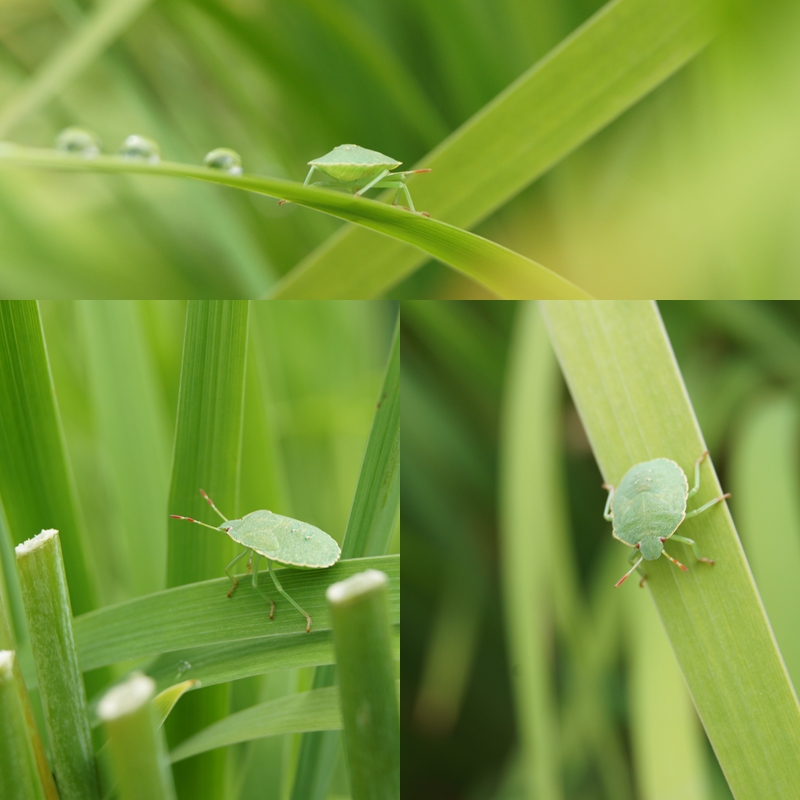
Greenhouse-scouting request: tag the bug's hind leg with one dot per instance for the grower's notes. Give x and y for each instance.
(234, 581)
(280, 589)
(256, 558)
(692, 542)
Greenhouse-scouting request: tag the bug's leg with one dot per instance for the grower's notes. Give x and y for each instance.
(708, 505)
(211, 503)
(308, 177)
(256, 558)
(228, 570)
(372, 183)
(694, 547)
(674, 560)
(635, 566)
(280, 589)
(607, 512)
(697, 475)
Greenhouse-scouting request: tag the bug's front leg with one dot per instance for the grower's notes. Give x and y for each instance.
(607, 512)
(373, 182)
(234, 581)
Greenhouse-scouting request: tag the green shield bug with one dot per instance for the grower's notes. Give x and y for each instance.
(648, 506)
(358, 170)
(276, 538)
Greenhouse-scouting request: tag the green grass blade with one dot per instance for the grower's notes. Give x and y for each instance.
(316, 710)
(103, 27)
(376, 503)
(202, 614)
(19, 779)
(612, 61)
(369, 527)
(628, 390)
(501, 270)
(527, 494)
(764, 480)
(133, 431)
(36, 482)
(208, 443)
(243, 659)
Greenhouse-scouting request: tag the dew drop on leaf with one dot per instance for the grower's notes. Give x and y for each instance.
(140, 148)
(79, 142)
(223, 158)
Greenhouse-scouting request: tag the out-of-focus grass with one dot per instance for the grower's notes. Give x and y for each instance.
(687, 193)
(602, 664)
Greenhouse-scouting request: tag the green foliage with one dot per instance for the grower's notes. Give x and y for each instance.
(528, 674)
(297, 436)
(587, 138)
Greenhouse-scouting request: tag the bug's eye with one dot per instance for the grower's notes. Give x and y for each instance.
(661, 539)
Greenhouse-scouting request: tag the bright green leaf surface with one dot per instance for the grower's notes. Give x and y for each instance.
(623, 378)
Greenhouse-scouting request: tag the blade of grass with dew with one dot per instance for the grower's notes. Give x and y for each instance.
(501, 270)
(202, 614)
(36, 483)
(620, 55)
(314, 710)
(627, 388)
(107, 22)
(208, 443)
(764, 482)
(132, 429)
(369, 528)
(528, 447)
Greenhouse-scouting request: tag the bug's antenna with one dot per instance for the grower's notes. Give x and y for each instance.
(197, 521)
(211, 503)
(674, 560)
(624, 577)
(413, 171)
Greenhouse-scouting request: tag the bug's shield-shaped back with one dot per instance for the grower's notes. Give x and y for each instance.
(285, 540)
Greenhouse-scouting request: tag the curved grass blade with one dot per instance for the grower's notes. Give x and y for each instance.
(504, 272)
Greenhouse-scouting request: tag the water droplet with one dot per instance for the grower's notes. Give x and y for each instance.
(140, 148)
(79, 142)
(183, 666)
(223, 158)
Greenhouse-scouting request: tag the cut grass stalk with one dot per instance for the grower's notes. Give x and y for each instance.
(136, 747)
(47, 610)
(370, 713)
(19, 779)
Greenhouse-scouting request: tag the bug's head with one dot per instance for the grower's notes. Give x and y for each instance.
(651, 547)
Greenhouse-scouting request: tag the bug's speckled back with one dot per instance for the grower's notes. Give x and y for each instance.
(283, 539)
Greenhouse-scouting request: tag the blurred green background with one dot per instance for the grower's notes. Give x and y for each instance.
(461, 723)
(690, 193)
